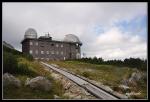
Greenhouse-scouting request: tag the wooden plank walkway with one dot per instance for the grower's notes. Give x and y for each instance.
(96, 91)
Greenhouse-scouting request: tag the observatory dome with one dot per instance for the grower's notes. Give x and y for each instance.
(71, 38)
(30, 33)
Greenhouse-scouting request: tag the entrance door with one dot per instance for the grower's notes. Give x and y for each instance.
(78, 56)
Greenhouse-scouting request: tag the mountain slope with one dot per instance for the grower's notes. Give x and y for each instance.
(8, 45)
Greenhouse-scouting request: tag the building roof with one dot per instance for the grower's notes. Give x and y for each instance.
(49, 41)
(30, 33)
(71, 38)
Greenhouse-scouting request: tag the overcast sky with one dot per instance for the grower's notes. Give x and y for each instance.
(107, 30)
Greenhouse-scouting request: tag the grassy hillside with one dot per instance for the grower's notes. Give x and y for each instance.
(107, 74)
(23, 67)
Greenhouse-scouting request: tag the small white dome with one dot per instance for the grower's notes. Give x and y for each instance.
(30, 33)
(71, 38)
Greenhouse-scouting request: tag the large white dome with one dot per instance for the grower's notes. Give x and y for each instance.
(30, 33)
(71, 38)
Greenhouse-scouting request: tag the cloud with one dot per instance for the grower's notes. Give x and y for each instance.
(114, 44)
(93, 23)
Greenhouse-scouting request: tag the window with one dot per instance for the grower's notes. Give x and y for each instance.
(31, 43)
(78, 55)
(62, 52)
(57, 52)
(47, 52)
(56, 45)
(76, 50)
(61, 45)
(30, 52)
(52, 52)
(42, 52)
(36, 43)
(36, 52)
(52, 44)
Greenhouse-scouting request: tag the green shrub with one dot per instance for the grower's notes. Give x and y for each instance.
(28, 57)
(141, 64)
(86, 74)
(17, 53)
(23, 69)
(13, 51)
(9, 63)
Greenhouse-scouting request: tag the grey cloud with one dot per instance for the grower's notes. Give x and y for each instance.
(62, 18)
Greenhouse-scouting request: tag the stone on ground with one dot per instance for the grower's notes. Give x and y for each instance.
(10, 80)
(39, 83)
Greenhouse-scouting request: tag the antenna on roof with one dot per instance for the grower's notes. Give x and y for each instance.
(48, 34)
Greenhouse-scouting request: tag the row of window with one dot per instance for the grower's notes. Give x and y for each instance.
(31, 43)
(47, 58)
(47, 52)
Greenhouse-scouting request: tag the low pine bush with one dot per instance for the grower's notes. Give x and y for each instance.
(10, 65)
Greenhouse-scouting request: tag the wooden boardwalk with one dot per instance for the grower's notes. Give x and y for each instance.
(94, 90)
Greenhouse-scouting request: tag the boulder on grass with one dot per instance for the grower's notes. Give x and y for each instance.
(10, 80)
(39, 83)
(56, 97)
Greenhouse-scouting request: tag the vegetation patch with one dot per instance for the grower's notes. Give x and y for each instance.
(110, 75)
(23, 66)
(25, 93)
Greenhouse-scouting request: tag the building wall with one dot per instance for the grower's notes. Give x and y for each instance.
(52, 50)
(25, 47)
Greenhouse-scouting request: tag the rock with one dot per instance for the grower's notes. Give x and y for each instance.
(70, 95)
(132, 94)
(132, 81)
(136, 76)
(122, 96)
(78, 97)
(84, 92)
(10, 80)
(67, 85)
(124, 87)
(55, 76)
(87, 93)
(40, 83)
(56, 97)
(27, 81)
(63, 82)
(67, 94)
(74, 89)
(124, 82)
